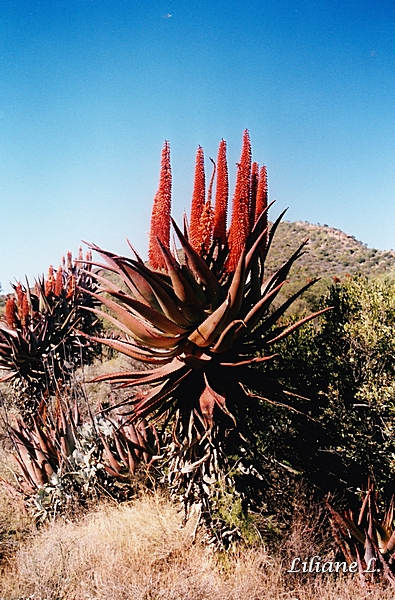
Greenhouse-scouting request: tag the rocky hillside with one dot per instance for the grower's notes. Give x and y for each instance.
(329, 253)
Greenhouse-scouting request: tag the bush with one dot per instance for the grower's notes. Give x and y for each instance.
(345, 365)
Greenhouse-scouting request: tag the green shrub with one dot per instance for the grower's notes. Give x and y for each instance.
(345, 365)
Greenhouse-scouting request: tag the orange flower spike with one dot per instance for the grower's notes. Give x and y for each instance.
(25, 311)
(19, 294)
(262, 192)
(69, 260)
(198, 202)
(50, 283)
(221, 195)
(240, 226)
(10, 313)
(59, 282)
(207, 220)
(70, 288)
(262, 200)
(160, 216)
(253, 192)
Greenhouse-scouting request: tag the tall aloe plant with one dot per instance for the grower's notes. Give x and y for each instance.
(203, 319)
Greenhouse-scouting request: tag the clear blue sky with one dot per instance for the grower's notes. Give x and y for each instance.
(90, 89)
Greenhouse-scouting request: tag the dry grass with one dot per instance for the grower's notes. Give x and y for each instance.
(139, 551)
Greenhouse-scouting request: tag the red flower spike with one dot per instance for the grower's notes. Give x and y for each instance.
(253, 192)
(19, 294)
(25, 311)
(198, 202)
(206, 227)
(240, 225)
(10, 313)
(59, 282)
(160, 217)
(207, 220)
(262, 193)
(50, 283)
(221, 195)
(70, 288)
(261, 200)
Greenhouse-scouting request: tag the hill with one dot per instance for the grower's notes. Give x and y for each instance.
(330, 254)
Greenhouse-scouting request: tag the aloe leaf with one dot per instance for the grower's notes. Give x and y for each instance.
(272, 232)
(255, 314)
(283, 271)
(219, 399)
(226, 339)
(252, 361)
(200, 269)
(159, 320)
(276, 403)
(295, 326)
(346, 523)
(140, 333)
(135, 323)
(236, 288)
(277, 314)
(156, 397)
(134, 351)
(144, 378)
(189, 303)
(205, 334)
(206, 404)
(164, 297)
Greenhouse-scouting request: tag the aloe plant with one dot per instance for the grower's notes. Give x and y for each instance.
(367, 539)
(204, 320)
(38, 345)
(62, 458)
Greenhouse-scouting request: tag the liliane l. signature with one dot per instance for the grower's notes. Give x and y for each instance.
(315, 565)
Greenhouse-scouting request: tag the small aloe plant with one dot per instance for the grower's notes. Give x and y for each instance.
(62, 458)
(367, 538)
(203, 317)
(38, 344)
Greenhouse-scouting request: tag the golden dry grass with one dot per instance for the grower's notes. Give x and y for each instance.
(138, 551)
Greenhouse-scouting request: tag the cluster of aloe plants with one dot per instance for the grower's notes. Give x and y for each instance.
(367, 539)
(63, 458)
(39, 346)
(203, 317)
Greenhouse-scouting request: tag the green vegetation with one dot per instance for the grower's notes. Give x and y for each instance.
(345, 366)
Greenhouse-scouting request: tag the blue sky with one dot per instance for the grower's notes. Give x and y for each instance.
(90, 89)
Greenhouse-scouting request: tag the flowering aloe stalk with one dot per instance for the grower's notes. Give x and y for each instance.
(221, 195)
(160, 218)
(198, 202)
